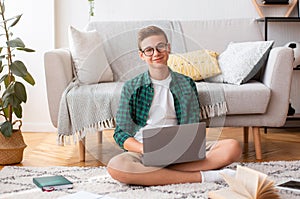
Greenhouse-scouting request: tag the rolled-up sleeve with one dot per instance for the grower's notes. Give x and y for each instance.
(124, 124)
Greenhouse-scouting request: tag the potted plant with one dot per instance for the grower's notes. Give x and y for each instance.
(13, 92)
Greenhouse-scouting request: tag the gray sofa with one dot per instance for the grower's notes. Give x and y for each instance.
(258, 103)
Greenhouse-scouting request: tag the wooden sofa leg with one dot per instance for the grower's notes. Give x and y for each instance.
(246, 134)
(257, 142)
(82, 150)
(100, 134)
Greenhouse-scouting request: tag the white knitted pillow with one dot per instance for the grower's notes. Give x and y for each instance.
(241, 61)
(89, 58)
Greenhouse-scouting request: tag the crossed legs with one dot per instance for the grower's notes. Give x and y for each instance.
(128, 168)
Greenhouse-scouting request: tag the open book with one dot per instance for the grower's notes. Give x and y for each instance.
(247, 184)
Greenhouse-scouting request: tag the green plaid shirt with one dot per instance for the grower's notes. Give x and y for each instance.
(136, 99)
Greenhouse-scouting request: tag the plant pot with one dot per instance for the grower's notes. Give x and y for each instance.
(11, 148)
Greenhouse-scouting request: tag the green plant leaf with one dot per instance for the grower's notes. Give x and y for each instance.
(15, 43)
(3, 78)
(11, 100)
(20, 91)
(9, 90)
(28, 78)
(18, 111)
(14, 100)
(18, 68)
(1, 66)
(5, 111)
(26, 49)
(14, 95)
(18, 17)
(6, 80)
(7, 95)
(6, 128)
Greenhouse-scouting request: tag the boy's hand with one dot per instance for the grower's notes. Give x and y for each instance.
(131, 144)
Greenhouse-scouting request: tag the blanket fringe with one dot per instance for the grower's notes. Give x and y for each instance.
(213, 110)
(80, 134)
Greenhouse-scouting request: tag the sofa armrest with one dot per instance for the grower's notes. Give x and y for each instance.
(278, 77)
(59, 73)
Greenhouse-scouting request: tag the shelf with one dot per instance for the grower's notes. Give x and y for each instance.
(296, 68)
(266, 20)
(293, 117)
(275, 5)
(278, 19)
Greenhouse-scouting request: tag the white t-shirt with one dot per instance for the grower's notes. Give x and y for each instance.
(162, 110)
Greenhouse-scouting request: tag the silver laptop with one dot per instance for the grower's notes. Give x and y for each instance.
(174, 144)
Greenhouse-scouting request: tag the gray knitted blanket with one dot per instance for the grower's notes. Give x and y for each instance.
(212, 99)
(87, 108)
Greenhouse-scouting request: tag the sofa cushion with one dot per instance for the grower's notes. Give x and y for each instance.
(198, 64)
(89, 58)
(250, 98)
(241, 61)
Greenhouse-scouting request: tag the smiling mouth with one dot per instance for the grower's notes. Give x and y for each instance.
(158, 59)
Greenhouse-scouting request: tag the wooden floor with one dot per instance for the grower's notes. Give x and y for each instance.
(42, 149)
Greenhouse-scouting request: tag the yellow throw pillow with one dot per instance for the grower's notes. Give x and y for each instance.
(198, 64)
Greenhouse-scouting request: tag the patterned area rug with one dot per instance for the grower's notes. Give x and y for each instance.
(16, 182)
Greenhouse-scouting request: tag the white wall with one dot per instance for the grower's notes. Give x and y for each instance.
(36, 29)
(44, 26)
(123, 10)
(75, 12)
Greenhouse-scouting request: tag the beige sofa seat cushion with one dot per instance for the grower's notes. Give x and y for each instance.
(250, 98)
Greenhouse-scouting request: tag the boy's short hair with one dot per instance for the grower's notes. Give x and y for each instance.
(150, 31)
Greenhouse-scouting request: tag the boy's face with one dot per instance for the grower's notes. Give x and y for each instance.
(155, 51)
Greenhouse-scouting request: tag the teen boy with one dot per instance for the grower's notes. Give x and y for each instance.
(162, 97)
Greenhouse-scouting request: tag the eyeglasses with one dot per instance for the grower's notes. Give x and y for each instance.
(149, 51)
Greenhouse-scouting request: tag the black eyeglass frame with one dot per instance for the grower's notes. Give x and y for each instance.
(163, 49)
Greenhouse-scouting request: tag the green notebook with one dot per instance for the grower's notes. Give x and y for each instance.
(50, 183)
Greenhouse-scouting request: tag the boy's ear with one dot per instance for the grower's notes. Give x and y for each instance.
(141, 55)
(169, 48)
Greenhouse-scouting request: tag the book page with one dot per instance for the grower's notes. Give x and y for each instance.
(263, 182)
(270, 193)
(250, 179)
(236, 186)
(266, 186)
